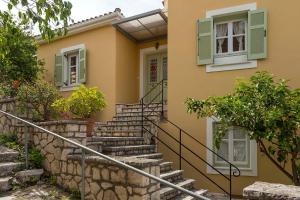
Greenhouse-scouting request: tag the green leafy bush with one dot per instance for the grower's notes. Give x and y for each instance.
(82, 103)
(269, 110)
(18, 56)
(37, 99)
(10, 141)
(35, 158)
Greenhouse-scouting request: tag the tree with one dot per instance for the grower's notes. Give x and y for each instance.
(18, 60)
(51, 16)
(269, 110)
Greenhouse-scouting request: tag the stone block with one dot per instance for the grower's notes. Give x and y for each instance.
(29, 176)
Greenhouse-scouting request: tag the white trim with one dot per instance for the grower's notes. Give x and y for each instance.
(235, 62)
(143, 54)
(69, 88)
(230, 10)
(251, 171)
(72, 48)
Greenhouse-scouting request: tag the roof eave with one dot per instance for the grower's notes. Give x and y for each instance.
(85, 26)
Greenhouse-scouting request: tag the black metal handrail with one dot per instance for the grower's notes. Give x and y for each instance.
(233, 169)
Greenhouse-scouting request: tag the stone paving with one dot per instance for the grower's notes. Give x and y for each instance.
(41, 191)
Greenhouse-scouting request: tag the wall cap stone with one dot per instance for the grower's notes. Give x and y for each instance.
(136, 162)
(8, 100)
(60, 122)
(266, 191)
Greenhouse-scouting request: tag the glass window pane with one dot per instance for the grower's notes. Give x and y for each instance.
(73, 60)
(239, 43)
(222, 30)
(238, 27)
(222, 45)
(223, 151)
(73, 75)
(153, 70)
(239, 151)
(239, 133)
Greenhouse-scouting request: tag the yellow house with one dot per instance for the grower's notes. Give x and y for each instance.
(199, 48)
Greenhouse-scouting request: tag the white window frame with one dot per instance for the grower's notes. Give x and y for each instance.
(230, 38)
(245, 171)
(234, 62)
(65, 51)
(69, 66)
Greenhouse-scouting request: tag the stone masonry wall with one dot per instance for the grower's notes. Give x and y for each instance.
(104, 180)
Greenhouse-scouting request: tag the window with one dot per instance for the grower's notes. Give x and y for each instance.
(236, 147)
(232, 38)
(70, 67)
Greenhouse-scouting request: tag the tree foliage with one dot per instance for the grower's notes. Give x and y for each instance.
(269, 110)
(51, 16)
(18, 60)
(36, 99)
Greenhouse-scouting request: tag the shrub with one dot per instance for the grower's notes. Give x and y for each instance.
(269, 110)
(37, 99)
(35, 158)
(82, 103)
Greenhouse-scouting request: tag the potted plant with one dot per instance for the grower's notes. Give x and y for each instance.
(83, 103)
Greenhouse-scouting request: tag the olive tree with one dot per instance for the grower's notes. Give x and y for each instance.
(268, 109)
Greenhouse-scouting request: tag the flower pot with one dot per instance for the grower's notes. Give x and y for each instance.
(90, 127)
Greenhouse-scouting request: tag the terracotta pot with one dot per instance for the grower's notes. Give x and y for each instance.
(90, 127)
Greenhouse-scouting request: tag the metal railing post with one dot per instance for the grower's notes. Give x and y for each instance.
(82, 174)
(26, 130)
(142, 116)
(180, 137)
(230, 182)
(162, 98)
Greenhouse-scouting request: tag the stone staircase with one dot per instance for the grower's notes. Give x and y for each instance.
(8, 167)
(123, 136)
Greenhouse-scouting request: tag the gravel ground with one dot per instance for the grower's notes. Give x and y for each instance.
(41, 191)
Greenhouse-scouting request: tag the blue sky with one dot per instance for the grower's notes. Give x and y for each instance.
(83, 9)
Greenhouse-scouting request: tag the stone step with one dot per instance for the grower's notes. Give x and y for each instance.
(129, 150)
(118, 141)
(128, 122)
(137, 113)
(117, 133)
(165, 167)
(5, 183)
(122, 127)
(97, 146)
(139, 109)
(187, 197)
(172, 176)
(149, 156)
(9, 156)
(138, 105)
(167, 193)
(7, 168)
(139, 118)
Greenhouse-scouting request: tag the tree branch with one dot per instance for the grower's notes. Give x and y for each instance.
(264, 150)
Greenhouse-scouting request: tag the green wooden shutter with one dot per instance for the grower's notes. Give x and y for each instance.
(59, 70)
(205, 41)
(257, 30)
(82, 66)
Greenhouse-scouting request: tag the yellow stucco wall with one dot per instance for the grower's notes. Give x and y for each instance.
(186, 79)
(101, 61)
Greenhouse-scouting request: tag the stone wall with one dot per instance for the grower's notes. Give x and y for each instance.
(270, 191)
(6, 123)
(103, 180)
(107, 181)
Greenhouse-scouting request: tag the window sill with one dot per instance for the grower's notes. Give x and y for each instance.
(231, 63)
(68, 88)
(225, 171)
